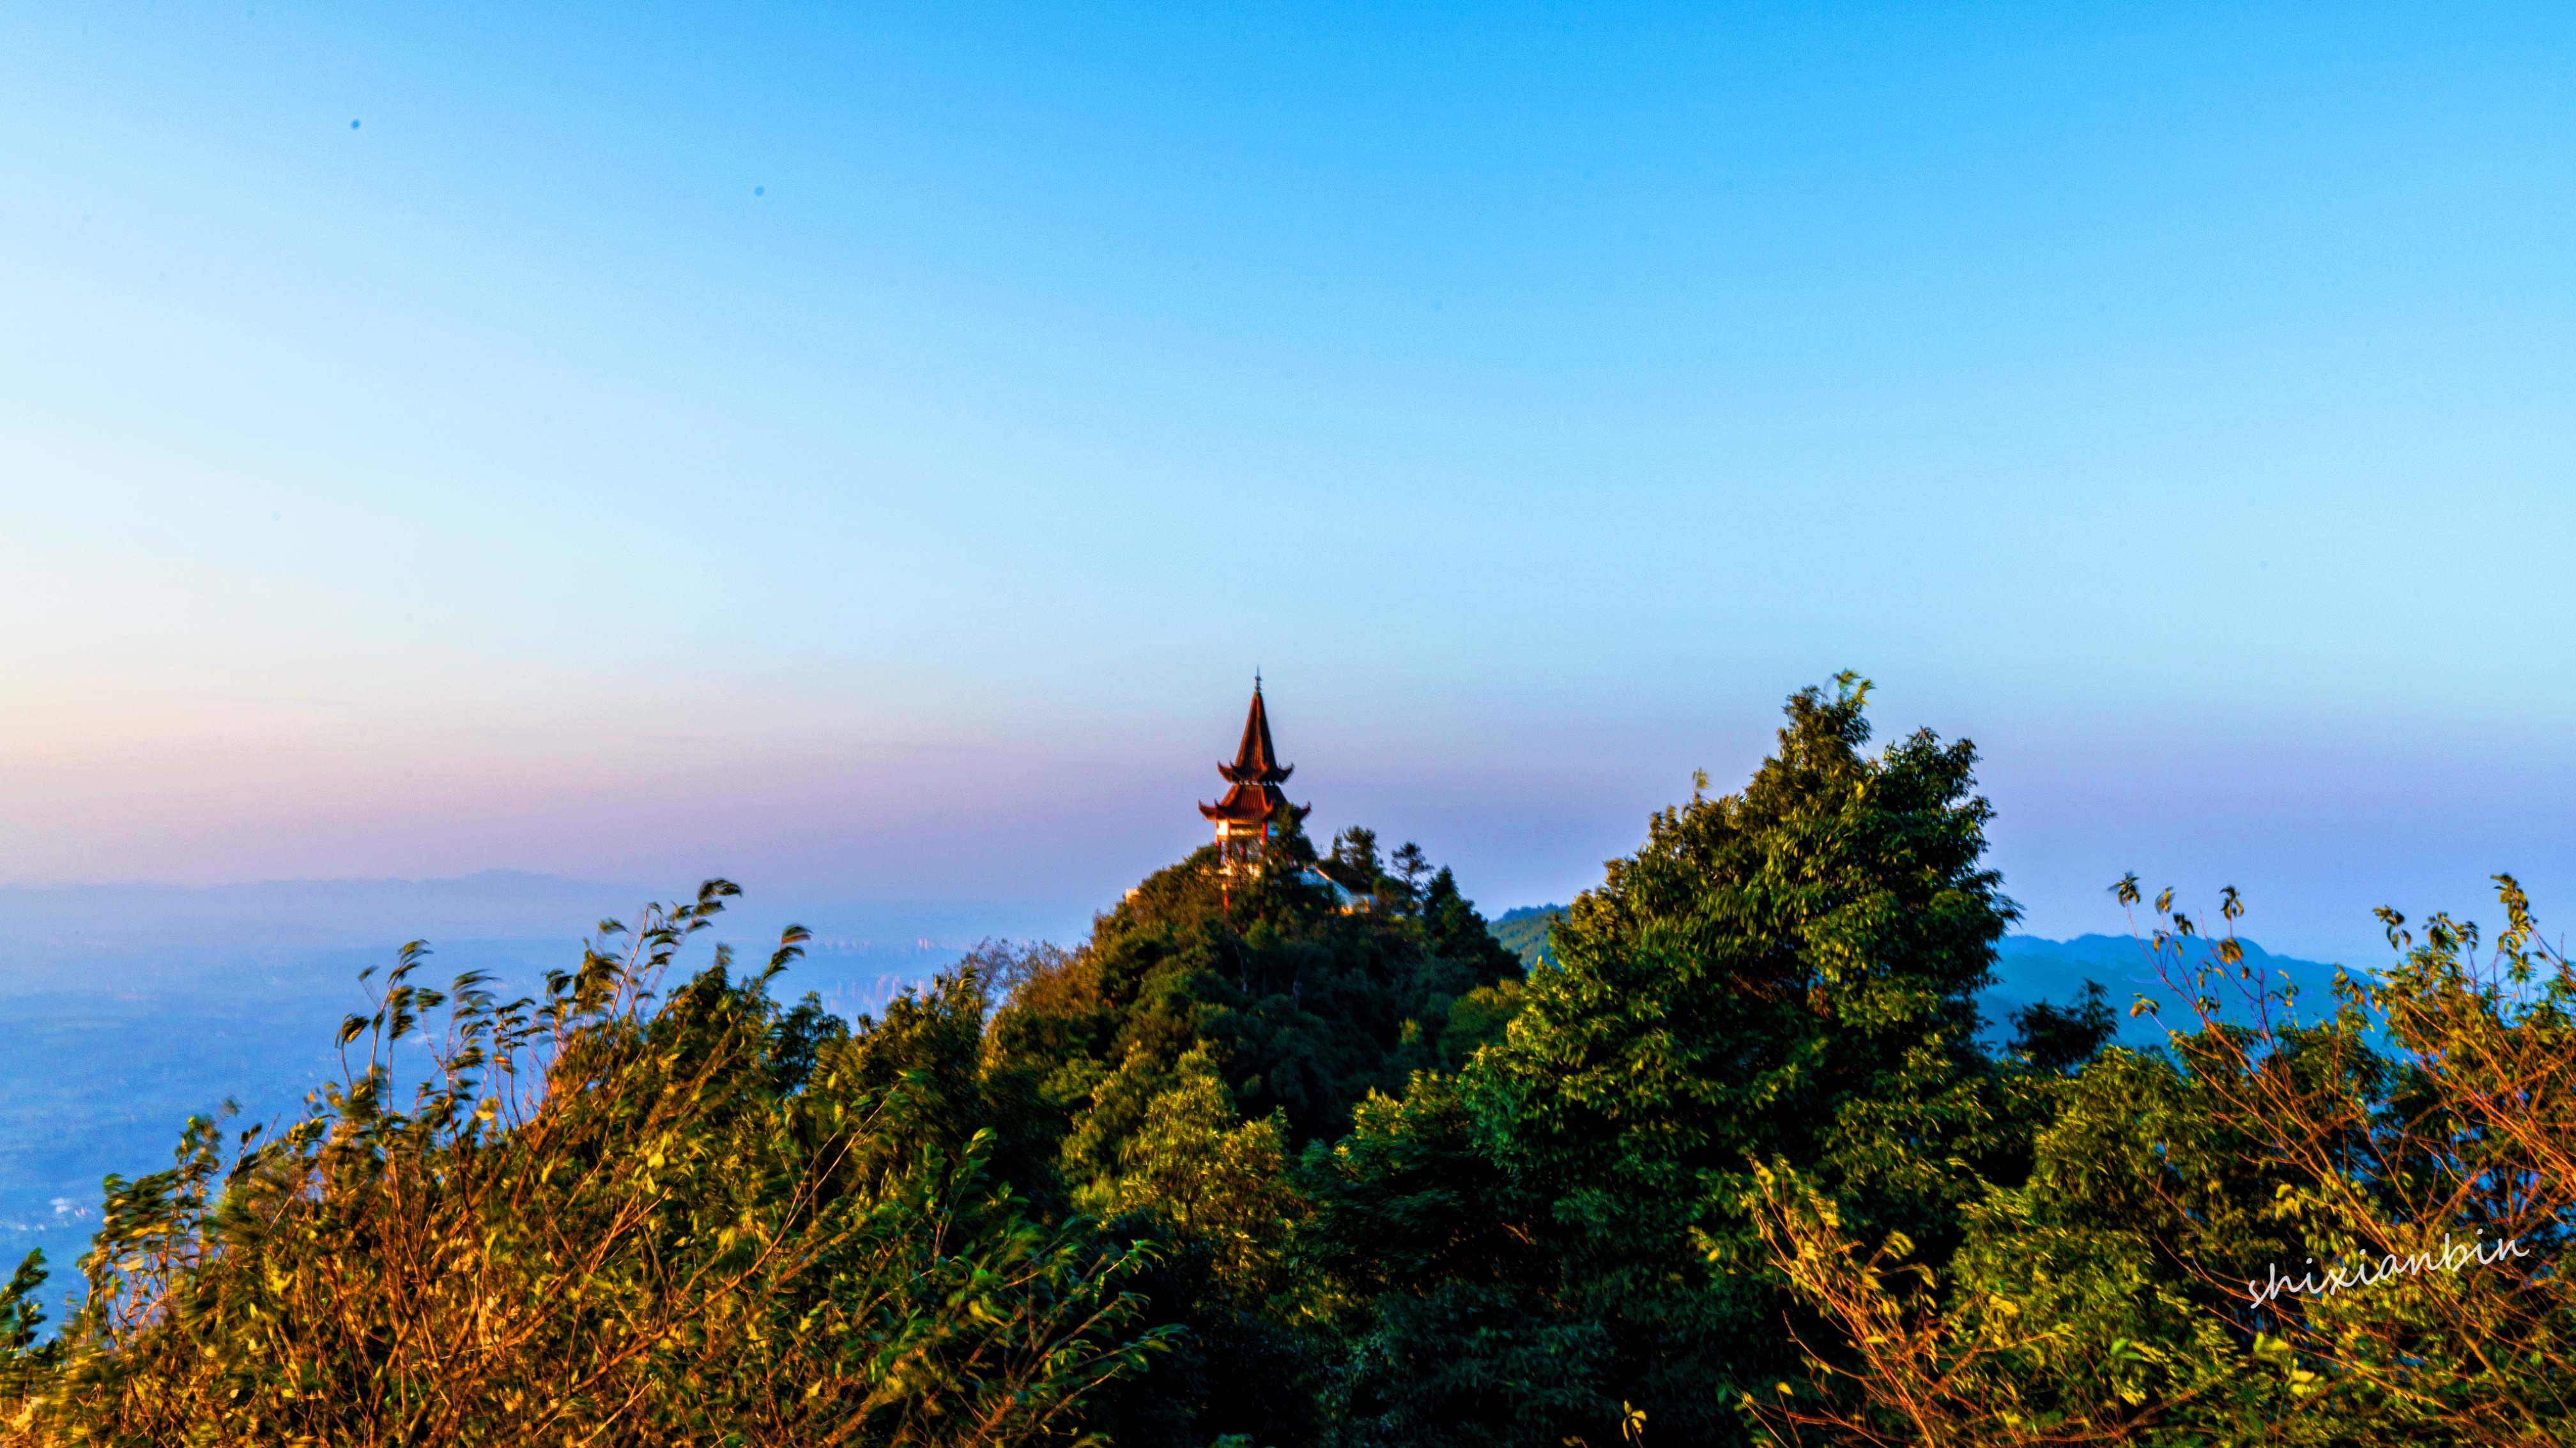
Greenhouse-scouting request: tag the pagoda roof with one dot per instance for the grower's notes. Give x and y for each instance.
(1256, 762)
(1247, 804)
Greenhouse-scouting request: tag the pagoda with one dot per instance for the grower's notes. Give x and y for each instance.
(1254, 809)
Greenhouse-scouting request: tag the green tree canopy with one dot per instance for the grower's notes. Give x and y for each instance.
(1785, 974)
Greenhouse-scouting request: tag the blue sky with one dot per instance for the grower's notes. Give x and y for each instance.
(866, 450)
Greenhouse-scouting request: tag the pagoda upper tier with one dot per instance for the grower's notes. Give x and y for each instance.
(1256, 773)
(1255, 761)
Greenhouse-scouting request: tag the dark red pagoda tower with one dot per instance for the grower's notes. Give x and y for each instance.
(1254, 808)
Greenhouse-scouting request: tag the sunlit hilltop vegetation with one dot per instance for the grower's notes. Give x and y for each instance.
(1301, 1153)
(1524, 932)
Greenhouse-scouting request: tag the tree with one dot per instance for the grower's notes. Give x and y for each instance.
(2329, 1224)
(597, 1219)
(1303, 1009)
(1209, 1027)
(1216, 1179)
(2060, 1039)
(1447, 1283)
(1785, 975)
(1355, 862)
(1409, 865)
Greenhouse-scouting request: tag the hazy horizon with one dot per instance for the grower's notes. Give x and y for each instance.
(517, 907)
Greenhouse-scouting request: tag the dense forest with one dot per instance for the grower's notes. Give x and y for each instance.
(1307, 1156)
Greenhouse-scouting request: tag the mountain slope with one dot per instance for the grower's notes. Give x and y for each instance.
(1523, 932)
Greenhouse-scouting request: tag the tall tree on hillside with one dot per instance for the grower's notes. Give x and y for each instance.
(1408, 865)
(1780, 976)
(1354, 861)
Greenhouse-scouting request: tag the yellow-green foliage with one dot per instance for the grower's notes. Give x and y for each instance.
(2118, 1295)
(1216, 1178)
(601, 1220)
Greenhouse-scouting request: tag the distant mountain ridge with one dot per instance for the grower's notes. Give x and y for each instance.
(2028, 969)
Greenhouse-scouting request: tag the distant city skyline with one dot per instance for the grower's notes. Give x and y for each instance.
(867, 453)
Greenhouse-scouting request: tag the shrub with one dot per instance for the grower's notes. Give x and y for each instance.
(600, 1219)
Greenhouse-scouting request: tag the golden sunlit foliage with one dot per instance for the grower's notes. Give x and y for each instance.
(599, 1220)
(2299, 1226)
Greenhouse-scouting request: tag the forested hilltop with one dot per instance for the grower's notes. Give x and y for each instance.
(1308, 1157)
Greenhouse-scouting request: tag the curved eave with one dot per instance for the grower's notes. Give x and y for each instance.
(1247, 804)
